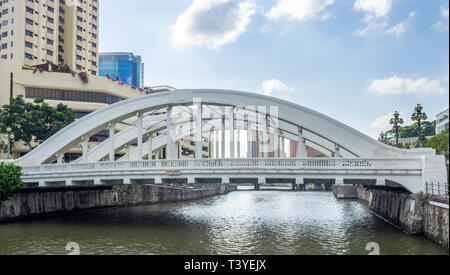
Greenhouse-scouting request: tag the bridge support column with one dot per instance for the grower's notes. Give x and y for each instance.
(170, 148)
(42, 183)
(69, 183)
(126, 181)
(238, 141)
(301, 144)
(216, 149)
(112, 149)
(300, 182)
(158, 180)
(265, 138)
(223, 155)
(150, 147)
(337, 152)
(60, 158)
(339, 181)
(127, 151)
(232, 127)
(140, 148)
(259, 183)
(225, 180)
(381, 182)
(199, 131)
(85, 144)
(249, 142)
(98, 182)
(191, 181)
(283, 147)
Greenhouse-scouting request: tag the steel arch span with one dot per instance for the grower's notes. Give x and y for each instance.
(212, 111)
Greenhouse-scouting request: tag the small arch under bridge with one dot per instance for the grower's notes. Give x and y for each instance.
(232, 136)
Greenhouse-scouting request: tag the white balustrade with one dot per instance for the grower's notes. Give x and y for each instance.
(322, 163)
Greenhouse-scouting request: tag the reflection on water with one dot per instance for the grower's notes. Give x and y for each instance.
(267, 222)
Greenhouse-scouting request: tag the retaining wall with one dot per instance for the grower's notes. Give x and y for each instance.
(42, 202)
(414, 213)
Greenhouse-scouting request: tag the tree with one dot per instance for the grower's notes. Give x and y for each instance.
(33, 123)
(64, 68)
(440, 143)
(9, 179)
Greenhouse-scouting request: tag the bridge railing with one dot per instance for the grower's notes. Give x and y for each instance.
(346, 164)
(437, 189)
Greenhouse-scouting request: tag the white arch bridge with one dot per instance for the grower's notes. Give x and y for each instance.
(229, 136)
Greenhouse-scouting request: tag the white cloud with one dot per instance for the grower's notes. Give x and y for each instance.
(372, 27)
(299, 10)
(373, 8)
(274, 85)
(266, 29)
(397, 85)
(397, 29)
(376, 16)
(212, 23)
(443, 24)
(383, 122)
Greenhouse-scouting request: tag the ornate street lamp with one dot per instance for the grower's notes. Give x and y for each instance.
(10, 137)
(396, 122)
(419, 117)
(382, 137)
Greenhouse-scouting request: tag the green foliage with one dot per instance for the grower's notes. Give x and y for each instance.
(9, 179)
(428, 129)
(440, 143)
(64, 68)
(33, 122)
(320, 155)
(27, 68)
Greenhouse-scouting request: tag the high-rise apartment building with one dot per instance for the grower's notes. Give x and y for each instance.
(125, 67)
(59, 31)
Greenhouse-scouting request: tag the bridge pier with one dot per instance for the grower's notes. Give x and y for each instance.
(158, 181)
(300, 182)
(42, 183)
(69, 183)
(126, 181)
(381, 182)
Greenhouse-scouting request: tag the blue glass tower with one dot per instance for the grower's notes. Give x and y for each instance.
(125, 67)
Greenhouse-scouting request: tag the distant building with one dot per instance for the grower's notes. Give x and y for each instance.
(125, 67)
(442, 121)
(406, 142)
(36, 32)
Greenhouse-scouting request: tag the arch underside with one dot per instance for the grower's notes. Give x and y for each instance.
(319, 129)
(222, 111)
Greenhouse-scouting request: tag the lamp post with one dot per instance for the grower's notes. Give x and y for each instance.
(396, 122)
(419, 116)
(10, 137)
(382, 137)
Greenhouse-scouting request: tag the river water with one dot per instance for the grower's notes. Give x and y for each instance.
(244, 222)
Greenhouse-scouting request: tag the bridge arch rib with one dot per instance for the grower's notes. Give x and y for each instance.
(314, 122)
(411, 168)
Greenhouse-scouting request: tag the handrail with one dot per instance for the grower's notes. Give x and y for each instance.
(309, 163)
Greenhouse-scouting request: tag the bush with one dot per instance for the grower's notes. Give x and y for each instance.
(9, 179)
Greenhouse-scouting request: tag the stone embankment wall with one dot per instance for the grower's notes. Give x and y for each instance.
(42, 202)
(415, 213)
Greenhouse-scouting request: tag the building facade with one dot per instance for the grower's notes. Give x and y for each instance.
(82, 98)
(125, 67)
(58, 31)
(442, 121)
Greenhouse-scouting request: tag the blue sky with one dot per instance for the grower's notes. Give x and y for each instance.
(357, 61)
